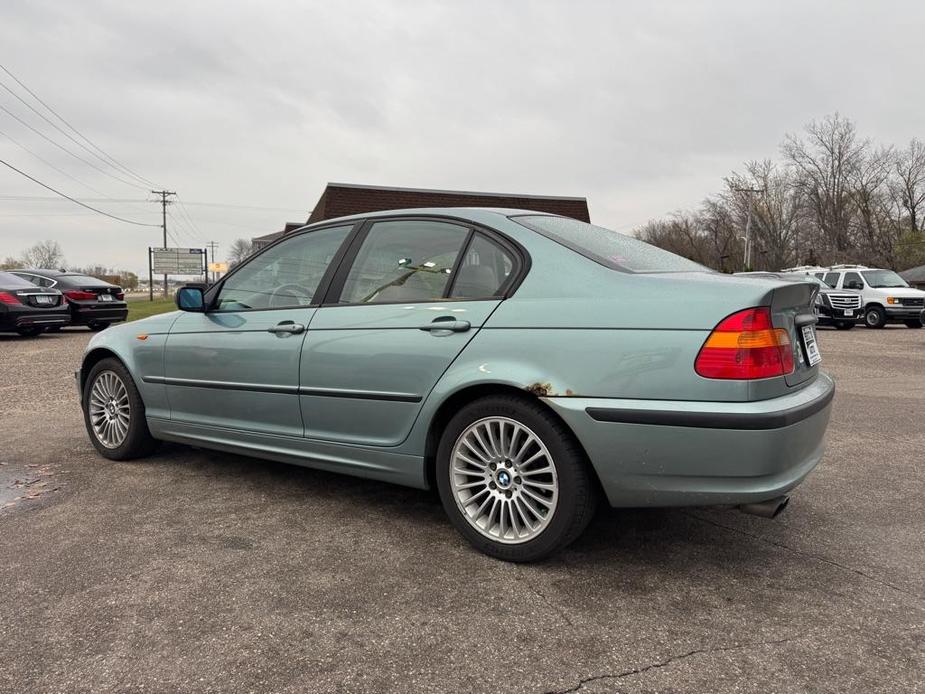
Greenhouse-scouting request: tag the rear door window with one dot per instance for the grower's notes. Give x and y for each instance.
(404, 260)
(484, 271)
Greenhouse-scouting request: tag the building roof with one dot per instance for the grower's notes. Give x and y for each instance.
(914, 274)
(345, 199)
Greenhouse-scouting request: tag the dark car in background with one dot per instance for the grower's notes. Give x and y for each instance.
(93, 302)
(842, 308)
(30, 310)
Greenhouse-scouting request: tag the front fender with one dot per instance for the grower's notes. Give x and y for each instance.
(140, 347)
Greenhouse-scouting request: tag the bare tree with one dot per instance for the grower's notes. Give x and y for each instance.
(10, 263)
(910, 183)
(44, 254)
(823, 165)
(240, 250)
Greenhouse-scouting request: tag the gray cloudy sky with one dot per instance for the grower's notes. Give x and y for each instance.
(640, 106)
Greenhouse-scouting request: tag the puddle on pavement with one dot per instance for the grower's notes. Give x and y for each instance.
(24, 484)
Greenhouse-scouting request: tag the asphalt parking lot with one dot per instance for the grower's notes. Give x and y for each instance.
(200, 571)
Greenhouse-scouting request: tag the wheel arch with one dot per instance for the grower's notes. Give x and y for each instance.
(94, 357)
(462, 397)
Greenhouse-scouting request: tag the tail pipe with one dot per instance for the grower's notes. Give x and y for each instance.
(766, 509)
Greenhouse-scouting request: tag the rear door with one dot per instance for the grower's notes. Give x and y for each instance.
(409, 297)
(237, 365)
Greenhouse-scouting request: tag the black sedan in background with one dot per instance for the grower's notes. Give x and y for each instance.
(93, 302)
(27, 309)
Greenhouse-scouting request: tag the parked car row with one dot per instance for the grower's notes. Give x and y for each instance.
(885, 296)
(37, 301)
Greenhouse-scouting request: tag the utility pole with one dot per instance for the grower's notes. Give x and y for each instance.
(748, 225)
(212, 246)
(164, 202)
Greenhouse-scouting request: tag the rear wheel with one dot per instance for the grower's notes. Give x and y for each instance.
(513, 480)
(875, 317)
(30, 332)
(844, 325)
(913, 323)
(96, 327)
(114, 413)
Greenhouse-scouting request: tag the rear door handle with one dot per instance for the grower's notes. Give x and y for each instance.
(448, 323)
(287, 327)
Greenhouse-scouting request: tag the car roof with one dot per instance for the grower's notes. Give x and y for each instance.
(473, 214)
(40, 272)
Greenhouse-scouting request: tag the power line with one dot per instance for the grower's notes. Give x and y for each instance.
(65, 149)
(74, 200)
(112, 160)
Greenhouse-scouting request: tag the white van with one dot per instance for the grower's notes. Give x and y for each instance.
(887, 297)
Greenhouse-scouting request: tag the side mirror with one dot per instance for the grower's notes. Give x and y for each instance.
(191, 298)
(853, 284)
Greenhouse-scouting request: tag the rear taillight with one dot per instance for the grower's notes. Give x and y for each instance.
(746, 346)
(120, 295)
(78, 295)
(7, 298)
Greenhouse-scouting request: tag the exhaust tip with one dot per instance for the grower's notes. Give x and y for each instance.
(771, 508)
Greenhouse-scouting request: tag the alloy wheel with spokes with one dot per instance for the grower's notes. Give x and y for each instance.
(109, 409)
(513, 479)
(504, 480)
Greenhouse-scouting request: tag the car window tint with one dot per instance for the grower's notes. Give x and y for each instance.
(831, 279)
(10, 281)
(609, 248)
(409, 260)
(852, 277)
(285, 275)
(484, 270)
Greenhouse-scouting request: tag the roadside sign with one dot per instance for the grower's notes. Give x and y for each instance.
(176, 261)
(218, 267)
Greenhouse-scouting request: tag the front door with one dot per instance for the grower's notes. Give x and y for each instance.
(237, 365)
(413, 296)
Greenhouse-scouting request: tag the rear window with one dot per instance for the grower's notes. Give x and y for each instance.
(84, 281)
(11, 281)
(609, 248)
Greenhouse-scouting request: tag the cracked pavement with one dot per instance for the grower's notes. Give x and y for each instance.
(199, 571)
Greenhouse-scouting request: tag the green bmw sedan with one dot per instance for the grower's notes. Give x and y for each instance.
(525, 365)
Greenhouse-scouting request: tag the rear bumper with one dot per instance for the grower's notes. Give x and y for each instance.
(15, 320)
(682, 453)
(96, 314)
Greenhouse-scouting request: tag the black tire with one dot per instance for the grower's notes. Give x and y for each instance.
(138, 441)
(96, 327)
(577, 493)
(30, 332)
(913, 323)
(875, 317)
(844, 325)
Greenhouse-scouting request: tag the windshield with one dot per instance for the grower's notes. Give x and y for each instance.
(609, 248)
(882, 279)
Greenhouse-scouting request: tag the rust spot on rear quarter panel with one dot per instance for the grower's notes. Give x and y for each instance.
(540, 390)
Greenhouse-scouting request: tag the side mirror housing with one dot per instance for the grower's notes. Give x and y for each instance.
(191, 298)
(853, 284)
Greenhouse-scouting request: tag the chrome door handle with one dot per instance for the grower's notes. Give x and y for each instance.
(287, 328)
(450, 324)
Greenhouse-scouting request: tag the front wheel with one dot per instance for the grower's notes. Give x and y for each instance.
(875, 317)
(114, 413)
(513, 479)
(844, 324)
(913, 323)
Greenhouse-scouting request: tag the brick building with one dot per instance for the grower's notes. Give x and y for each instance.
(342, 199)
